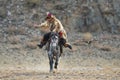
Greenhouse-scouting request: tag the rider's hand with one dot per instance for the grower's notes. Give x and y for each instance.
(36, 25)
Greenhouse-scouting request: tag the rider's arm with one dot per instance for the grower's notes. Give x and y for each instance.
(42, 25)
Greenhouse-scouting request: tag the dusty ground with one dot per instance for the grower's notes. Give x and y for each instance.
(99, 60)
(83, 74)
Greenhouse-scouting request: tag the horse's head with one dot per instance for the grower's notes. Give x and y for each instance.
(54, 40)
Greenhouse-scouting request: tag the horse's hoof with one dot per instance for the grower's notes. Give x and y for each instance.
(55, 70)
(51, 71)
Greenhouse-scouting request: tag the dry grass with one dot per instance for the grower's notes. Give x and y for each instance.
(106, 48)
(96, 27)
(106, 37)
(87, 51)
(116, 36)
(79, 43)
(21, 30)
(30, 24)
(107, 69)
(103, 47)
(87, 36)
(31, 45)
(36, 38)
(33, 1)
(11, 30)
(14, 30)
(116, 50)
(16, 46)
(14, 39)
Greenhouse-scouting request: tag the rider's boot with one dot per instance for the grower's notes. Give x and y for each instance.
(64, 42)
(68, 45)
(42, 43)
(44, 40)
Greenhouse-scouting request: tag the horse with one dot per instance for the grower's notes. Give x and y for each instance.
(53, 50)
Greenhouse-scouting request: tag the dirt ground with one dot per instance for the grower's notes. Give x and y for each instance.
(63, 74)
(99, 60)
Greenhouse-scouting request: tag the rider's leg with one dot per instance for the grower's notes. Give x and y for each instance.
(61, 49)
(68, 45)
(44, 40)
(64, 42)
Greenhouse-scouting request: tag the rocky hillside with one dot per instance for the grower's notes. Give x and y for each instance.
(76, 15)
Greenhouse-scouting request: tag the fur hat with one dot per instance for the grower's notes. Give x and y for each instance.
(49, 15)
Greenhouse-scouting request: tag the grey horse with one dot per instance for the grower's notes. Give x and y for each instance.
(53, 50)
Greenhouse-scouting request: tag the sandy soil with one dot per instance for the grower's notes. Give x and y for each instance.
(77, 74)
(99, 60)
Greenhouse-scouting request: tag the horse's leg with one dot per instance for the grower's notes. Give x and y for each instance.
(56, 61)
(50, 61)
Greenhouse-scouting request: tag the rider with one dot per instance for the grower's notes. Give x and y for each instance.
(54, 25)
